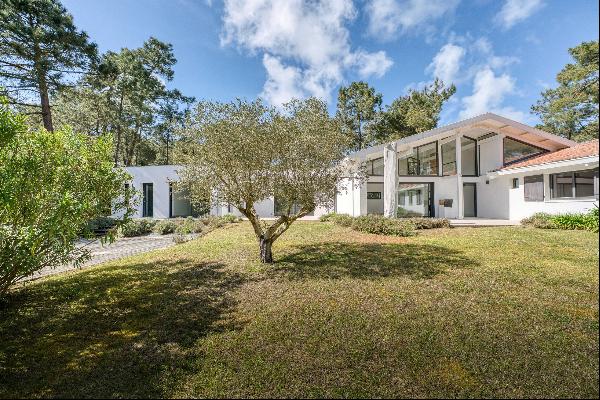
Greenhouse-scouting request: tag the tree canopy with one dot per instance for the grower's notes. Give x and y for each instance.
(39, 48)
(571, 109)
(357, 107)
(241, 153)
(417, 111)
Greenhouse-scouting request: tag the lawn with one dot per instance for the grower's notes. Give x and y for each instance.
(493, 312)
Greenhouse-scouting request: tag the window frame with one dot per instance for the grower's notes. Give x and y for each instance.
(416, 152)
(476, 156)
(371, 167)
(504, 163)
(574, 185)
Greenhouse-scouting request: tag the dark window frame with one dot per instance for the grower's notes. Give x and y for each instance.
(515, 183)
(147, 211)
(574, 185)
(431, 189)
(504, 163)
(371, 167)
(418, 161)
(476, 157)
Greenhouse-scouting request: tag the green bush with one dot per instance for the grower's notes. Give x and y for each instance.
(341, 219)
(229, 218)
(429, 223)
(190, 225)
(381, 225)
(575, 221)
(137, 227)
(539, 220)
(579, 221)
(326, 217)
(165, 226)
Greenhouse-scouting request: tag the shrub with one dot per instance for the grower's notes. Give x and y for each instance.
(341, 219)
(229, 218)
(326, 217)
(580, 221)
(381, 225)
(429, 223)
(165, 227)
(190, 225)
(137, 227)
(539, 220)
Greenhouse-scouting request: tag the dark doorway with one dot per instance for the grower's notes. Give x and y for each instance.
(470, 199)
(148, 202)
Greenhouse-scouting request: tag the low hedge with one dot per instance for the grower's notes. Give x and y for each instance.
(137, 227)
(570, 221)
(381, 225)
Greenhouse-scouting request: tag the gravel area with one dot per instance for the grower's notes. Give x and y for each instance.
(122, 247)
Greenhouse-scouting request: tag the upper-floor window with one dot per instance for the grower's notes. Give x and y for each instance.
(449, 158)
(515, 150)
(468, 156)
(573, 185)
(375, 167)
(422, 160)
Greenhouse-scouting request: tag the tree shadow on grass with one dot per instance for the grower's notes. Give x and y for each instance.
(112, 332)
(369, 260)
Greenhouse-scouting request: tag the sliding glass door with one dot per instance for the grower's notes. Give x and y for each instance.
(415, 200)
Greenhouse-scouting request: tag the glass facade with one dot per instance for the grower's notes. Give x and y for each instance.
(468, 156)
(449, 158)
(375, 167)
(281, 208)
(421, 160)
(515, 150)
(414, 200)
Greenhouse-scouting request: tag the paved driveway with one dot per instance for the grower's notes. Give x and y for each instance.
(122, 247)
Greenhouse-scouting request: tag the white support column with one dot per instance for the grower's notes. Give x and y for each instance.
(459, 179)
(390, 179)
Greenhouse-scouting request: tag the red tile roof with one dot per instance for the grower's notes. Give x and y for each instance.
(580, 150)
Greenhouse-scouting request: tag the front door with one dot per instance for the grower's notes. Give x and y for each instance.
(148, 200)
(470, 199)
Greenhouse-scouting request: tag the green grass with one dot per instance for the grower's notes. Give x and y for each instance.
(493, 312)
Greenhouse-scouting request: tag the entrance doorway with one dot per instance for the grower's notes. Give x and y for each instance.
(470, 199)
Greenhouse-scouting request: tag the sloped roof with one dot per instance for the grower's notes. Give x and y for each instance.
(581, 150)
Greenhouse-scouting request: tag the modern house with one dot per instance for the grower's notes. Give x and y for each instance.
(485, 167)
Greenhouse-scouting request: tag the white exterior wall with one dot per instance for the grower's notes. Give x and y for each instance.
(159, 176)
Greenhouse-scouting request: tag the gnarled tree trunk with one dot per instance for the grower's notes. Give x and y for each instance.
(266, 254)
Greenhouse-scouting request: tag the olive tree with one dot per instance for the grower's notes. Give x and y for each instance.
(51, 185)
(241, 153)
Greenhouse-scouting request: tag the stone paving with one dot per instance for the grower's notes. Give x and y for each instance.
(122, 247)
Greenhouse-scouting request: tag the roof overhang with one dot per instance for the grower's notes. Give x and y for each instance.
(585, 162)
(474, 127)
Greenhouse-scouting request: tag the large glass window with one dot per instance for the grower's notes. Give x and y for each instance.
(515, 150)
(578, 184)
(468, 156)
(449, 158)
(415, 200)
(375, 167)
(421, 161)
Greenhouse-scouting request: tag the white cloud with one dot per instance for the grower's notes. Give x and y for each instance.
(515, 11)
(489, 92)
(387, 17)
(305, 44)
(446, 63)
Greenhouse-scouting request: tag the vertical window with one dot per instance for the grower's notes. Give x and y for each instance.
(449, 158)
(148, 200)
(468, 156)
(533, 188)
(515, 183)
(515, 150)
(419, 198)
(375, 167)
(402, 198)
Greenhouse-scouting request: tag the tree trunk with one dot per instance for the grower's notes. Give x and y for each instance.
(45, 100)
(118, 144)
(266, 255)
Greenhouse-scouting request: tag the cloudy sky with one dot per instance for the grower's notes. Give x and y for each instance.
(499, 53)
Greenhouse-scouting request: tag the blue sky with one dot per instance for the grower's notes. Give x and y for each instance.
(500, 53)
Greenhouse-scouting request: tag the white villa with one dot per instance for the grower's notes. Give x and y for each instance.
(484, 167)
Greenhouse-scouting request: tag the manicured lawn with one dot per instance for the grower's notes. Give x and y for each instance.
(459, 312)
